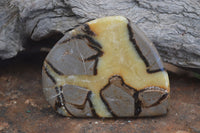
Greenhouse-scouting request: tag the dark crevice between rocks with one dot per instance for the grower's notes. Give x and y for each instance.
(34, 51)
(43, 45)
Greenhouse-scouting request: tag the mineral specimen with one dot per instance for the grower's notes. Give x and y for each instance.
(106, 68)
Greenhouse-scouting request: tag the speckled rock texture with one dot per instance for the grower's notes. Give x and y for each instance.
(174, 26)
(10, 34)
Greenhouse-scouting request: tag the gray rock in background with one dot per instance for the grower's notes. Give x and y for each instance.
(173, 25)
(10, 30)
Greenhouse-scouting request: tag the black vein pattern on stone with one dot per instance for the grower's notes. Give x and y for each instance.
(131, 38)
(60, 98)
(92, 44)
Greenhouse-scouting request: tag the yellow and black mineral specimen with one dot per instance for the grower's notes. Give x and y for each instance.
(106, 68)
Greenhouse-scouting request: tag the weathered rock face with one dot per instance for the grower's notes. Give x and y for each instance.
(107, 68)
(173, 26)
(10, 34)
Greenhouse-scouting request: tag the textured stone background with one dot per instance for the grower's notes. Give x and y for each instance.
(173, 25)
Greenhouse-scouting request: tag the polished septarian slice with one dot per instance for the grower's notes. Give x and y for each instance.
(106, 68)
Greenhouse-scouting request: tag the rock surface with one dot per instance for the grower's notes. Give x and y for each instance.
(174, 26)
(10, 38)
